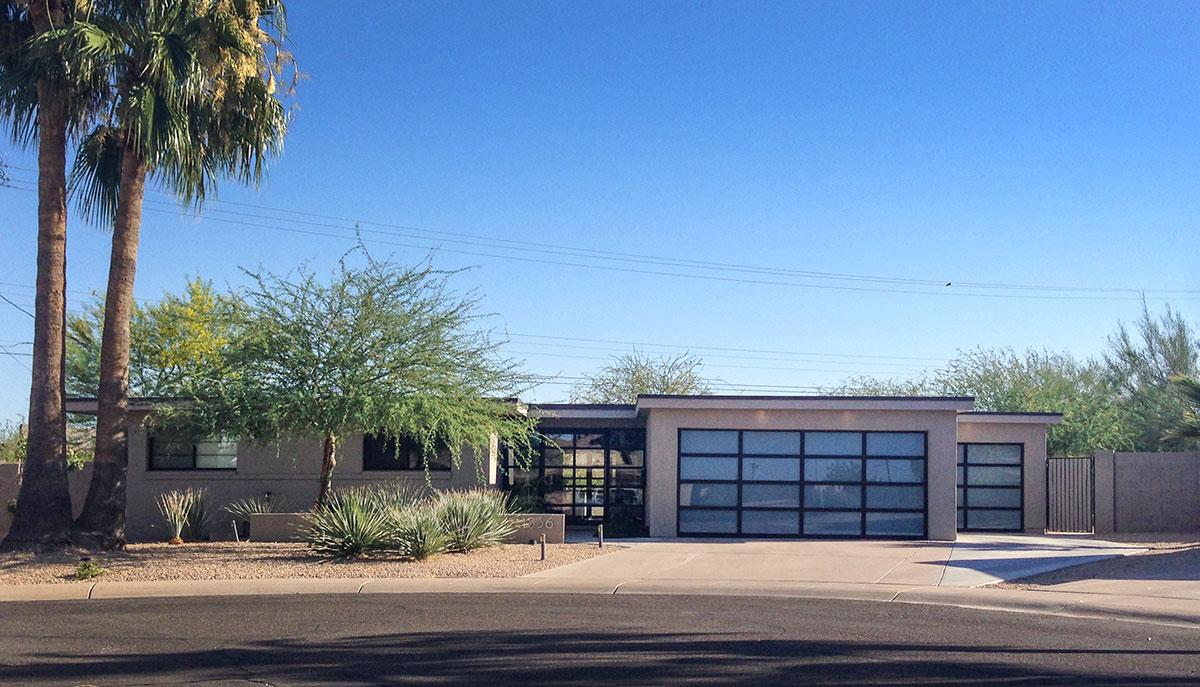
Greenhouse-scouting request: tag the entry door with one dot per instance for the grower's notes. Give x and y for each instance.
(990, 493)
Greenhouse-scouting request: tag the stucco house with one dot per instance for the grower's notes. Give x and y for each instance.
(682, 466)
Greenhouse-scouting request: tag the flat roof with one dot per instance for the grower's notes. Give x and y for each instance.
(733, 402)
(1029, 417)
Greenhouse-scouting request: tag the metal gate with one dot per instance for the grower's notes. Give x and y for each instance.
(1071, 494)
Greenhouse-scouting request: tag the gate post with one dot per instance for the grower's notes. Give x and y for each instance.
(1104, 505)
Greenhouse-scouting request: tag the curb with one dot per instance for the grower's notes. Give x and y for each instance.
(1157, 610)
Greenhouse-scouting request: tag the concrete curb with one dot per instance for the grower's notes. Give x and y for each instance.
(1158, 610)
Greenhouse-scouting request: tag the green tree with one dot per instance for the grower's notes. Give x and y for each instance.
(169, 341)
(1187, 429)
(382, 349)
(626, 376)
(195, 101)
(45, 98)
(1139, 364)
(1033, 381)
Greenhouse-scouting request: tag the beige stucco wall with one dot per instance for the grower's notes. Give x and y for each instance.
(1033, 436)
(290, 469)
(1153, 492)
(662, 439)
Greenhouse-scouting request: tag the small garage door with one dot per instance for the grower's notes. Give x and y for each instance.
(756, 483)
(990, 494)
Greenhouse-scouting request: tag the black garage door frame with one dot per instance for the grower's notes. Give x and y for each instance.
(862, 483)
(965, 507)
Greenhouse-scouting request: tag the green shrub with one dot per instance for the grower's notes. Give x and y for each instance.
(392, 496)
(187, 514)
(349, 525)
(418, 532)
(474, 519)
(86, 570)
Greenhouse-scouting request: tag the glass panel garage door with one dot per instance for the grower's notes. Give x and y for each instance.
(989, 487)
(835, 484)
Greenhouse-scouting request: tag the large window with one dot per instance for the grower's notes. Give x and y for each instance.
(167, 452)
(990, 493)
(591, 476)
(387, 453)
(818, 483)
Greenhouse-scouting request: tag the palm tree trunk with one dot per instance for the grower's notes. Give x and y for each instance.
(102, 522)
(328, 462)
(44, 502)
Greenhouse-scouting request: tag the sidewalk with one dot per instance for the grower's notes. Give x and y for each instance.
(1120, 606)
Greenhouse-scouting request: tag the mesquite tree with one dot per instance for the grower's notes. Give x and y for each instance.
(382, 348)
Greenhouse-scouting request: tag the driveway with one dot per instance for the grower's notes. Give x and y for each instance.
(971, 561)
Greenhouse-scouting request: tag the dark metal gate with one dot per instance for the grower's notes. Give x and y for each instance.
(1071, 494)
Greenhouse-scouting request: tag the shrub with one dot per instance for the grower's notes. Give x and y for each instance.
(391, 496)
(419, 533)
(349, 525)
(86, 570)
(474, 519)
(187, 514)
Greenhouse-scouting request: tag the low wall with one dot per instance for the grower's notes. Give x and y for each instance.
(531, 526)
(277, 527)
(10, 484)
(1147, 492)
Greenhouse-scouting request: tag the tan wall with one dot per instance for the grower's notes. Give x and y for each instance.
(662, 443)
(1151, 492)
(10, 484)
(290, 469)
(1033, 436)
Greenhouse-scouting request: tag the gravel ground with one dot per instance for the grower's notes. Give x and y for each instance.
(228, 560)
(1171, 551)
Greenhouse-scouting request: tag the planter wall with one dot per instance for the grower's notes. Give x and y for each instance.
(532, 525)
(277, 527)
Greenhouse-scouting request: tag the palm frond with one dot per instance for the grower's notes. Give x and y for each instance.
(96, 175)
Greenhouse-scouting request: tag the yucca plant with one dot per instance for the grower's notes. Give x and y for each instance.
(418, 532)
(391, 496)
(186, 513)
(474, 519)
(348, 526)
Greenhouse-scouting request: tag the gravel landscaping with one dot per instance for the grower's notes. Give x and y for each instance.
(228, 560)
(1162, 558)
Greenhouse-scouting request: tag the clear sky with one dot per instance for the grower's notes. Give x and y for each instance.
(1049, 144)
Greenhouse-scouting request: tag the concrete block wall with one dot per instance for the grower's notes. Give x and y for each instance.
(1147, 492)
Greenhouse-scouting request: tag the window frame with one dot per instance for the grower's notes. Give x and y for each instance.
(194, 446)
(406, 445)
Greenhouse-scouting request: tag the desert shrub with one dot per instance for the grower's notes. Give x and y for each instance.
(187, 514)
(474, 519)
(391, 496)
(349, 525)
(86, 570)
(419, 533)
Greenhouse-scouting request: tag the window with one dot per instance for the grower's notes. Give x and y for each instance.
(990, 492)
(385, 453)
(167, 452)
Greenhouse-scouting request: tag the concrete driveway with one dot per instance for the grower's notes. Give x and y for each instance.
(971, 561)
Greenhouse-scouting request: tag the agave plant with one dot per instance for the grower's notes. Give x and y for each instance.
(187, 514)
(418, 532)
(474, 519)
(348, 526)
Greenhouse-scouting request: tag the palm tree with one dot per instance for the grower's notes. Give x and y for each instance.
(1188, 427)
(195, 101)
(47, 99)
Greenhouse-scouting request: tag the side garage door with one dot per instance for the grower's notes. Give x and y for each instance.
(757, 483)
(990, 494)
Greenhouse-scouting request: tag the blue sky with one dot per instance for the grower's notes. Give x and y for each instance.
(1053, 144)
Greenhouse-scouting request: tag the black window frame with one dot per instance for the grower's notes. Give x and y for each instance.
(150, 467)
(405, 446)
(863, 484)
(964, 487)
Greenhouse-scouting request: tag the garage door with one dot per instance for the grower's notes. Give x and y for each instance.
(989, 487)
(756, 483)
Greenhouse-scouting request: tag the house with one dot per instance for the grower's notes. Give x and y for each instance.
(682, 466)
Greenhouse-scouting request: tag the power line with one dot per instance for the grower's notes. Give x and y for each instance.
(569, 251)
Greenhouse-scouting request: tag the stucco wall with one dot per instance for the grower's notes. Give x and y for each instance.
(1033, 436)
(10, 484)
(1150, 492)
(662, 441)
(290, 469)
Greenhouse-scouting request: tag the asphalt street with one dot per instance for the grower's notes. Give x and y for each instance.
(488, 640)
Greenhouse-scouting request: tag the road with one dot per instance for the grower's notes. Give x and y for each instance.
(489, 640)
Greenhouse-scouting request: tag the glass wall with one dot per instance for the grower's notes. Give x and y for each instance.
(591, 476)
(990, 478)
(811, 483)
